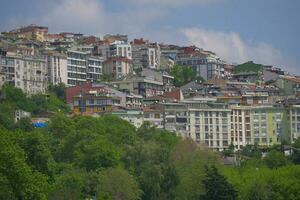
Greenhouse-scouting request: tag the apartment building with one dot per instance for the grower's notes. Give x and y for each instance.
(56, 68)
(292, 122)
(120, 49)
(260, 125)
(241, 132)
(175, 118)
(94, 102)
(209, 124)
(154, 116)
(141, 85)
(94, 68)
(77, 67)
(145, 54)
(267, 125)
(117, 67)
(25, 72)
(205, 64)
(32, 32)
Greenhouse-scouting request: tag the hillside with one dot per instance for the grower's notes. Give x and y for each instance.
(247, 67)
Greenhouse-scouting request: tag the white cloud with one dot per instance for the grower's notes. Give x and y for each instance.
(91, 17)
(80, 15)
(232, 48)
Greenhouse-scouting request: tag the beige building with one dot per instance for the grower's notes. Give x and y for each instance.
(209, 124)
(25, 72)
(117, 67)
(32, 32)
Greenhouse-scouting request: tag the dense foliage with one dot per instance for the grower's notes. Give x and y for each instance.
(12, 99)
(183, 75)
(107, 158)
(247, 67)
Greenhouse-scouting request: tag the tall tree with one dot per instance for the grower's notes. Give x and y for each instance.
(118, 184)
(217, 187)
(183, 75)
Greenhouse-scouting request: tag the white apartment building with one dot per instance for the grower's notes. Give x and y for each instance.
(241, 126)
(293, 116)
(56, 68)
(209, 124)
(115, 49)
(94, 68)
(77, 67)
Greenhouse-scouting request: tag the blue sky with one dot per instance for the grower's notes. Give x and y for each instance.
(266, 31)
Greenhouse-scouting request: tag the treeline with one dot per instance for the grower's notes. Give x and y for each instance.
(108, 158)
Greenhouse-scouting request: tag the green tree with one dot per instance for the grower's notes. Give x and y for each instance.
(36, 144)
(216, 186)
(17, 179)
(189, 161)
(118, 184)
(183, 75)
(251, 151)
(96, 154)
(69, 185)
(24, 124)
(275, 159)
(106, 78)
(59, 91)
(296, 152)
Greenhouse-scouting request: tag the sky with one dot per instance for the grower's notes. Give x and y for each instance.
(264, 31)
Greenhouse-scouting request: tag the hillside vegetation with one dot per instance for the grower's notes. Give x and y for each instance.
(247, 67)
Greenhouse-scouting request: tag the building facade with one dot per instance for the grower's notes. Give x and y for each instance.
(57, 68)
(94, 68)
(206, 65)
(77, 67)
(117, 67)
(29, 73)
(209, 124)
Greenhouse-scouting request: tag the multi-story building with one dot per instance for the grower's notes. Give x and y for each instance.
(32, 32)
(291, 120)
(209, 124)
(117, 67)
(145, 54)
(141, 85)
(77, 67)
(260, 125)
(241, 132)
(175, 118)
(205, 64)
(94, 68)
(94, 102)
(154, 116)
(120, 49)
(267, 125)
(56, 68)
(125, 100)
(25, 72)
